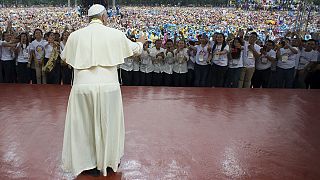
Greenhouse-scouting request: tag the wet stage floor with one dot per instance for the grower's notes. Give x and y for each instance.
(172, 133)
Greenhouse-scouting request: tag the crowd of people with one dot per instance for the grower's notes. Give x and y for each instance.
(191, 46)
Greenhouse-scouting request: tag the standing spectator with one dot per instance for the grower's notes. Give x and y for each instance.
(180, 67)
(7, 59)
(219, 68)
(168, 63)
(146, 66)
(136, 71)
(51, 63)
(66, 70)
(190, 64)
(307, 56)
(157, 57)
(262, 73)
(286, 55)
(126, 71)
(235, 64)
(313, 69)
(202, 64)
(4, 44)
(23, 64)
(37, 57)
(251, 53)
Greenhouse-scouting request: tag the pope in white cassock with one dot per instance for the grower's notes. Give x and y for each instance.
(94, 127)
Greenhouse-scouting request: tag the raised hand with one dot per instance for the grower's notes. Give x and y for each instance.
(143, 38)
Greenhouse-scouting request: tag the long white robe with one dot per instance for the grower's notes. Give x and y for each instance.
(94, 126)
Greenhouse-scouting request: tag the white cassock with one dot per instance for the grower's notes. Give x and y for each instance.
(94, 127)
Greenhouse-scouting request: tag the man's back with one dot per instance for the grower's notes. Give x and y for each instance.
(96, 45)
(94, 128)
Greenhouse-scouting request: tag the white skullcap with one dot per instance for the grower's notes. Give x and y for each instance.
(96, 9)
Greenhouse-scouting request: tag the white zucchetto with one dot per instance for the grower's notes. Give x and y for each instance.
(96, 9)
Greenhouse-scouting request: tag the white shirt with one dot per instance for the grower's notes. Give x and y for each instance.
(128, 64)
(146, 64)
(6, 54)
(38, 48)
(192, 59)
(136, 64)
(248, 57)
(157, 63)
(306, 58)
(48, 51)
(220, 60)
(1, 42)
(168, 62)
(181, 61)
(23, 55)
(237, 63)
(288, 58)
(263, 63)
(61, 46)
(202, 54)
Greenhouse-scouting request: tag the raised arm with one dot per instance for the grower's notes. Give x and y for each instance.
(137, 47)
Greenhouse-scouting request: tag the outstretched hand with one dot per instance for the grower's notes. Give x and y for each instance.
(143, 38)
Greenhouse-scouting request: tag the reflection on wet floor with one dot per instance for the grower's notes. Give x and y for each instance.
(172, 133)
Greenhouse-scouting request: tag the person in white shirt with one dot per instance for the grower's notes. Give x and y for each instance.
(190, 64)
(250, 55)
(286, 55)
(235, 64)
(307, 59)
(146, 66)
(157, 57)
(37, 57)
(126, 70)
(66, 70)
(168, 63)
(23, 64)
(136, 71)
(52, 52)
(180, 67)
(132, 68)
(7, 59)
(94, 127)
(313, 75)
(202, 61)
(261, 75)
(219, 66)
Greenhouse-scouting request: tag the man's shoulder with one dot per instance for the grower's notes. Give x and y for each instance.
(114, 31)
(90, 28)
(76, 32)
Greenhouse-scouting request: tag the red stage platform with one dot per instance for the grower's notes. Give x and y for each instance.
(172, 133)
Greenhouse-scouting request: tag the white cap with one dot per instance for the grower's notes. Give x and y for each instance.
(96, 9)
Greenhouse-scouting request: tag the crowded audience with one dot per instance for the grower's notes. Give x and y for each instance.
(187, 47)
